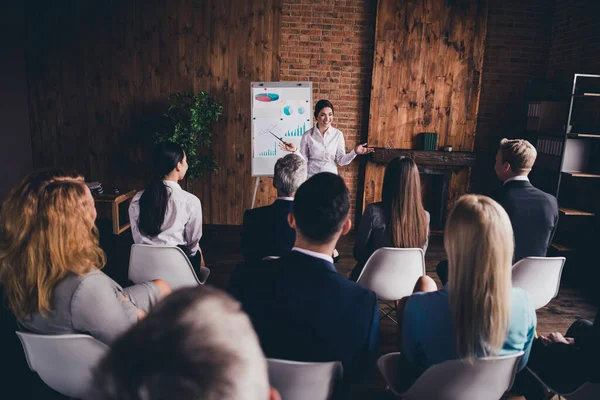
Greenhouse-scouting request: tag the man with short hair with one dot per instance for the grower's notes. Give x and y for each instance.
(265, 231)
(301, 308)
(196, 344)
(533, 213)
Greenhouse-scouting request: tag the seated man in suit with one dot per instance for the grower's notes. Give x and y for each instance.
(301, 308)
(265, 231)
(564, 363)
(532, 212)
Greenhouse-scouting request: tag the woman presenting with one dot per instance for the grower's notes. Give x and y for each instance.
(323, 146)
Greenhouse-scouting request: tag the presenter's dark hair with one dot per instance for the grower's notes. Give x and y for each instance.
(321, 104)
(153, 202)
(321, 207)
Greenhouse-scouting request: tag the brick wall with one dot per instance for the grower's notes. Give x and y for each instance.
(575, 42)
(516, 52)
(331, 44)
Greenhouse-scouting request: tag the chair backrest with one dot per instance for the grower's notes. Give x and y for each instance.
(169, 263)
(540, 277)
(64, 362)
(484, 378)
(304, 380)
(392, 272)
(587, 391)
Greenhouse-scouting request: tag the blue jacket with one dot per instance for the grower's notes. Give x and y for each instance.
(303, 310)
(533, 215)
(266, 232)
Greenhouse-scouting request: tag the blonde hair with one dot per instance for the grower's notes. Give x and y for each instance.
(46, 231)
(519, 153)
(405, 215)
(479, 243)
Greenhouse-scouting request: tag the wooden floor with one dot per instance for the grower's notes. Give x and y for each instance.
(221, 247)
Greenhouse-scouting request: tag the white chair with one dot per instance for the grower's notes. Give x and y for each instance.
(392, 273)
(304, 380)
(64, 362)
(484, 378)
(169, 263)
(540, 277)
(587, 391)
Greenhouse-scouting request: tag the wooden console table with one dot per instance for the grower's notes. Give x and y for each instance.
(115, 200)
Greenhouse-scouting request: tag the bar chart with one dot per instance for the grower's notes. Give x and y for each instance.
(298, 131)
(269, 152)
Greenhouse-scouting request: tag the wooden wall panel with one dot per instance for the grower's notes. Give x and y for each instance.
(99, 73)
(426, 78)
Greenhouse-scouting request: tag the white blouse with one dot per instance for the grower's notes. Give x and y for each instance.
(323, 151)
(183, 220)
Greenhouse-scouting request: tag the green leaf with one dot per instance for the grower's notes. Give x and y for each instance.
(191, 116)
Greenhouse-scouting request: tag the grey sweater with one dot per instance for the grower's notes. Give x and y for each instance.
(93, 304)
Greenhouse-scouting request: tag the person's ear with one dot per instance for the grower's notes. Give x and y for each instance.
(292, 220)
(274, 394)
(347, 226)
(506, 166)
(179, 166)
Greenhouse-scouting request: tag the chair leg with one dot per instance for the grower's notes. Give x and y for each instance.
(389, 312)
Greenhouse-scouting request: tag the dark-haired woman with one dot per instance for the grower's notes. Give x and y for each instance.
(164, 213)
(399, 220)
(323, 145)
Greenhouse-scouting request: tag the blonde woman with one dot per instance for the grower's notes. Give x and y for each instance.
(50, 262)
(399, 220)
(478, 313)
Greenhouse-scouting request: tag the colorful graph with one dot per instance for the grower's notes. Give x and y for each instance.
(269, 153)
(301, 110)
(298, 131)
(266, 97)
(288, 110)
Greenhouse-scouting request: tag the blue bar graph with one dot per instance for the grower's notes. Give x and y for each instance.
(298, 131)
(269, 153)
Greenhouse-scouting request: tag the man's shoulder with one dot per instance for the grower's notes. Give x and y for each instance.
(257, 212)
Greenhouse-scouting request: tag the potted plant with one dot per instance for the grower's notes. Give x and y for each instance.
(189, 120)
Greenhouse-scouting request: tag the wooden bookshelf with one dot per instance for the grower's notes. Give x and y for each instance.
(571, 211)
(581, 174)
(561, 248)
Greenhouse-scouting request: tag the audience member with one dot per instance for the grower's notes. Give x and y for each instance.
(265, 231)
(478, 313)
(532, 212)
(301, 308)
(50, 261)
(399, 220)
(164, 213)
(563, 362)
(197, 344)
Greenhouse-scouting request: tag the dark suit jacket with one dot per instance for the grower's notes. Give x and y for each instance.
(533, 214)
(303, 310)
(266, 232)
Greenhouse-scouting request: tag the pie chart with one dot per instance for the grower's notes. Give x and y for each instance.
(266, 97)
(301, 110)
(287, 110)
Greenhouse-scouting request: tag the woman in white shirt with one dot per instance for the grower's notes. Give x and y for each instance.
(323, 146)
(164, 213)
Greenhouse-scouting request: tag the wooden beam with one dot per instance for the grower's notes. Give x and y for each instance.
(449, 159)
